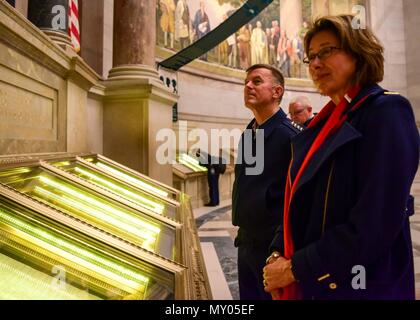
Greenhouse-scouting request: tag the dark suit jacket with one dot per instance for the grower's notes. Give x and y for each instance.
(257, 201)
(352, 205)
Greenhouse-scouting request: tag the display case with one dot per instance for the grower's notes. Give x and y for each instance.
(153, 198)
(132, 177)
(191, 179)
(190, 162)
(94, 205)
(82, 202)
(40, 259)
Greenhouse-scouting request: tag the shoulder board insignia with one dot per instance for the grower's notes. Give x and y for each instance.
(297, 126)
(391, 93)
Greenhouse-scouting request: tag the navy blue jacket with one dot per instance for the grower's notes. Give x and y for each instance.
(352, 204)
(257, 200)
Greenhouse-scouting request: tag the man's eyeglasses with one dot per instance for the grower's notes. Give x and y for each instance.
(297, 112)
(322, 54)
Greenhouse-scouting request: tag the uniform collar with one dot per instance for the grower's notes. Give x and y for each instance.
(270, 124)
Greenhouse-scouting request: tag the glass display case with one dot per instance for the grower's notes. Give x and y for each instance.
(111, 232)
(148, 199)
(93, 208)
(190, 162)
(41, 260)
(132, 177)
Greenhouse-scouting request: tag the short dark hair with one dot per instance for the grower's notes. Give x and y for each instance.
(278, 76)
(362, 44)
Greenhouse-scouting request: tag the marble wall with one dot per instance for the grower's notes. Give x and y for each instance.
(387, 20)
(43, 90)
(95, 119)
(412, 36)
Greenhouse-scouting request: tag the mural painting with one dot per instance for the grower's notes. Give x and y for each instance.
(274, 37)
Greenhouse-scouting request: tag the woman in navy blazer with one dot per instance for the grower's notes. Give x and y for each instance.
(345, 232)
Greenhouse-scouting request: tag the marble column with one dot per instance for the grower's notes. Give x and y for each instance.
(137, 104)
(320, 8)
(51, 16)
(291, 16)
(134, 32)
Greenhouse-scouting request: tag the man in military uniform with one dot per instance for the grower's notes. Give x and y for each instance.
(300, 110)
(257, 200)
(215, 166)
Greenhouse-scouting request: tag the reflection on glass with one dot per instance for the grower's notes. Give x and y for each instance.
(145, 200)
(97, 210)
(126, 177)
(191, 163)
(37, 262)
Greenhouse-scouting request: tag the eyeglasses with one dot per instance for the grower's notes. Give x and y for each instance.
(322, 54)
(297, 112)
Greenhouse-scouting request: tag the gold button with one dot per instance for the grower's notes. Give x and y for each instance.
(333, 286)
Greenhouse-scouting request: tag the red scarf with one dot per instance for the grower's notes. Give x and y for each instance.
(335, 116)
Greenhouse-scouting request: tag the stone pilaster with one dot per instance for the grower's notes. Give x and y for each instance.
(137, 104)
(43, 91)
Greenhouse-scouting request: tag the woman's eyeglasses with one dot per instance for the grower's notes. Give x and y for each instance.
(322, 54)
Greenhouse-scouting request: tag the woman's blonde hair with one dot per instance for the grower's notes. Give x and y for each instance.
(362, 44)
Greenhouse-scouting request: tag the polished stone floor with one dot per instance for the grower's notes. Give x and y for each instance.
(217, 233)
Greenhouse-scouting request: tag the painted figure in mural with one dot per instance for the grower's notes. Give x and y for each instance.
(272, 54)
(222, 53)
(201, 24)
(275, 38)
(258, 45)
(268, 44)
(167, 21)
(250, 28)
(276, 31)
(346, 228)
(303, 30)
(244, 38)
(283, 53)
(223, 49)
(182, 23)
(296, 56)
(257, 199)
(232, 51)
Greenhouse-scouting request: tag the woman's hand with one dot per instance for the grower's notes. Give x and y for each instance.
(278, 274)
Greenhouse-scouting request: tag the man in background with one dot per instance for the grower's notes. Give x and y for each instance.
(300, 110)
(215, 167)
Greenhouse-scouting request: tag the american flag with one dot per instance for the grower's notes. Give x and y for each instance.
(74, 29)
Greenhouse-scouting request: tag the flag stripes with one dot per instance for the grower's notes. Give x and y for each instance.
(74, 29)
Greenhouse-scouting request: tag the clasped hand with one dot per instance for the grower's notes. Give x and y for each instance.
(277, 275)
